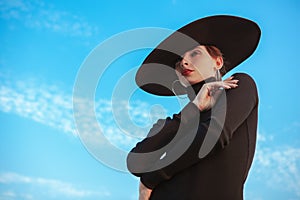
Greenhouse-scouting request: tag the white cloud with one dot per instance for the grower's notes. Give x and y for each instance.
(39, 15)
(101, 133)
(8, 194)
(278, 167)
(50, 186)
(48, 105)
(43, 104)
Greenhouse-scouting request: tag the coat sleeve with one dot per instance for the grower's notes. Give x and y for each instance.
(194, 129)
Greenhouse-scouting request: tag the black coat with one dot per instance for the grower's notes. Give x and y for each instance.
(220, 174)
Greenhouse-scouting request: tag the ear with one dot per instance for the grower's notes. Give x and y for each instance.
(219, 62)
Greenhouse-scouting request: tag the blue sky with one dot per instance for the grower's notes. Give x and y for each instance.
(43, 47)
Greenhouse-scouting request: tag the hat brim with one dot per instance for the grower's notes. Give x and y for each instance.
(236, 37)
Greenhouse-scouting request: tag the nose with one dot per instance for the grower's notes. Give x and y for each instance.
(184, 63)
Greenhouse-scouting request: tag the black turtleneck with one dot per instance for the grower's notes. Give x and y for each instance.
(193, 90)
(221, 174)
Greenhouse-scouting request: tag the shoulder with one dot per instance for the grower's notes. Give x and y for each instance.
(245, 79)
(243, 76)
(246, 86)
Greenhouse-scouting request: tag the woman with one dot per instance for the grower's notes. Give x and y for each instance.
(205, 151)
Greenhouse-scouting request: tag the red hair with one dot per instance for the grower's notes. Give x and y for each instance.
(214, 52)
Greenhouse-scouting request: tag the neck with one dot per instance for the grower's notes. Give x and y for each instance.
(193, 90)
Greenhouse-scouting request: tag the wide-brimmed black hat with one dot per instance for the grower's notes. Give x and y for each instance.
(236, 37)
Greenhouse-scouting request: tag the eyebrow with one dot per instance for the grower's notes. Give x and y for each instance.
(198, 48)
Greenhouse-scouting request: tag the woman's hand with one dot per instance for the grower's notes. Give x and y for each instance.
(207, 96)
(144, 192)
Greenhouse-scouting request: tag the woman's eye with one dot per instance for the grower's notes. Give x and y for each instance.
(194, 53)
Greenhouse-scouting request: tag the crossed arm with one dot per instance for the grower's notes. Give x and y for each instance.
(152, 170)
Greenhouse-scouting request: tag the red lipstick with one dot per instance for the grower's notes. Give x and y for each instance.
(186, 72)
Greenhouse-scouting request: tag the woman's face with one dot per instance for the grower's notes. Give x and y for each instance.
(197, 65)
